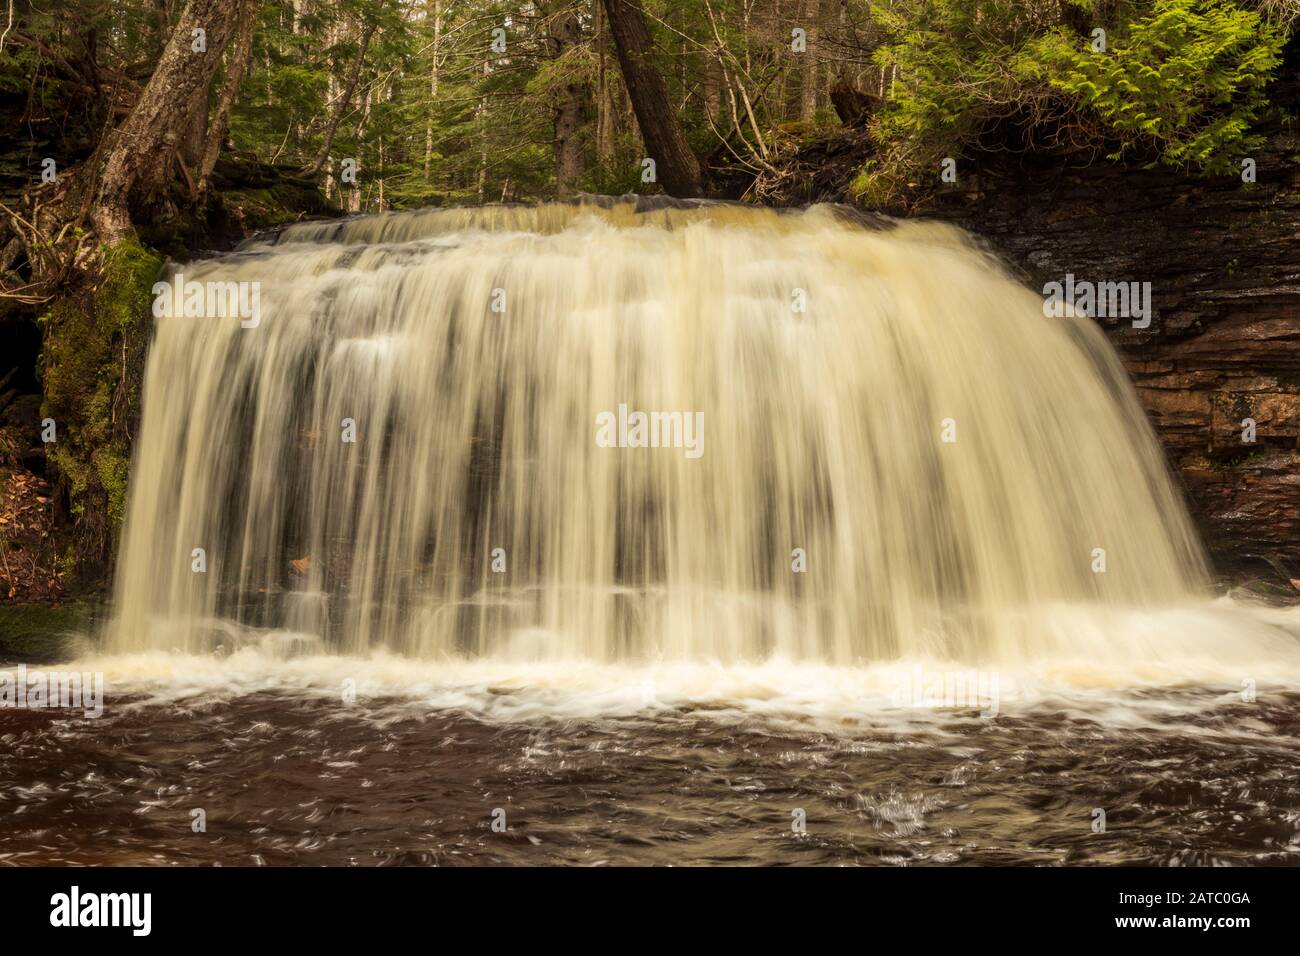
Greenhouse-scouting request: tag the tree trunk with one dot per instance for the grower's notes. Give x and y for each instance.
(356, 199)
(808, 90)
(236, 65)
(436, 13)
(341, 104)
(566, 33)
(195, 132)
(480, 121)
(712, 90)
(676, 166)
(139, 161)
(604, 108)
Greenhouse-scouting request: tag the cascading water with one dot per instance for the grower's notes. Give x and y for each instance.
(881, 449)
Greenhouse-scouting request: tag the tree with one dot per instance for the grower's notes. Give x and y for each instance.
(565, 35)
(341, 103)
(142, 154)
(808, 86)
(236, 64)
(676, 166)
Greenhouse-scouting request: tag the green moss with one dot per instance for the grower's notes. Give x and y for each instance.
(111, 469)
(877, 189)
(94, 341)
(37, 633)
(124, 299)
(283, 202)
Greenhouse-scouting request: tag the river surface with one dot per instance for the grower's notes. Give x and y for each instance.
(286, 773)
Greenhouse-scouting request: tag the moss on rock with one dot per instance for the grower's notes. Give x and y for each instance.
(36, 633)
(91, 369)
(255, 196)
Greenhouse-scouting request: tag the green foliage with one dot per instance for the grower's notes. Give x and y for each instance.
(487, 132)
(1179, 81)
(1187, 80)
(484, 132)
(956, 67)
(83, 375)
(439, 116)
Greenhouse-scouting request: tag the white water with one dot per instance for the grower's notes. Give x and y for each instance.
(476, 430)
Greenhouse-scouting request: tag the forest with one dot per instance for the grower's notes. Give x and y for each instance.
(389, 104)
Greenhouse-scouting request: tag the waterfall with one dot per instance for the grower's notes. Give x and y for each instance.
(435, 438)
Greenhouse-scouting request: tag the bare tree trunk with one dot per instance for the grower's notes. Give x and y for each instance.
(677, 168)
(566, 33)
(712, 90)
(808, 91)
(604, 108)
(236, 65)
(139, 161)
(433, 86)
(195, 132)
(341, 104)
(480, 120)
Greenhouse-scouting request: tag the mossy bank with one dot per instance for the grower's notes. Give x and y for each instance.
(91, 368)
(37, 634)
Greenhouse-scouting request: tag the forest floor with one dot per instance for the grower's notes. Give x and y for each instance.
(30, 568)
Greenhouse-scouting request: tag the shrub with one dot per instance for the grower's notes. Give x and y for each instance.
(1178, 81)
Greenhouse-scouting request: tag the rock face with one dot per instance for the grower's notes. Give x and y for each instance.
(1223, 346)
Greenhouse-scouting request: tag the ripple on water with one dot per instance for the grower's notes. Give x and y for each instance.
(289, 776)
